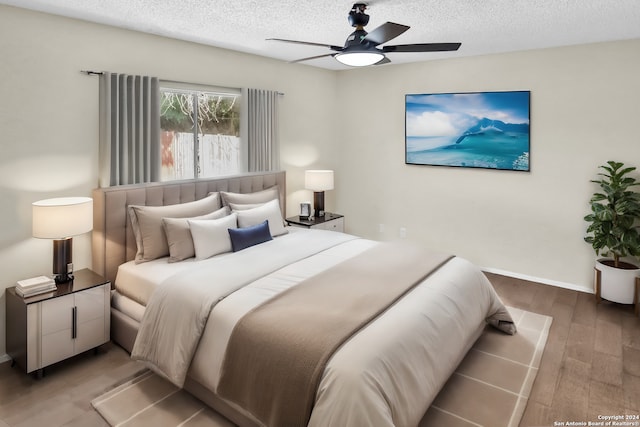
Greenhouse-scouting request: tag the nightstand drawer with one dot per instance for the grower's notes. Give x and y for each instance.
(57, 314)
(90, 304)
(90, 335)
(56, 347)
(334, 225)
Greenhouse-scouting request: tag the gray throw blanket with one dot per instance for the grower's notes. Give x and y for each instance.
(278, 352)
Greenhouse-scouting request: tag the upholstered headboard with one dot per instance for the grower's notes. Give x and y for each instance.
(113, 242)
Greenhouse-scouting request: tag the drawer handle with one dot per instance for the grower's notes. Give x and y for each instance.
(74, 322)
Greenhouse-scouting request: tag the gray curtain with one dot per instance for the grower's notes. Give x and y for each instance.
(129, 129)
(263, 130)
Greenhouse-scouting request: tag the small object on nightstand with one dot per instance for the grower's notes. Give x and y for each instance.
(305, 210)
(35, 286)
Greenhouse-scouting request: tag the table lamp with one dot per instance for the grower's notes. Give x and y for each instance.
(61, 219)
(318, 181)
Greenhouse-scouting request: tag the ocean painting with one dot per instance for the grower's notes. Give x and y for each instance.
(478, 130)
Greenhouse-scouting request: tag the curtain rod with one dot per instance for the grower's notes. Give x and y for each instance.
(99, 73)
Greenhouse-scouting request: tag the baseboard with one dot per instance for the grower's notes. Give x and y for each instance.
(4, 358)
(557, 283)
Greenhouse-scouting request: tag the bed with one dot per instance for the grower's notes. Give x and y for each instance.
(200, 321)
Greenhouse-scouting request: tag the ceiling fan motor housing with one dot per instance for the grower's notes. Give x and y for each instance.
(357, 39)
(357, 17)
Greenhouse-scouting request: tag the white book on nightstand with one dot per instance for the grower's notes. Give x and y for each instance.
(37, 291)
(35, 285)
(34, 282)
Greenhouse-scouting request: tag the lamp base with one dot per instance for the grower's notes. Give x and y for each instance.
(318, 203)
(62, 260)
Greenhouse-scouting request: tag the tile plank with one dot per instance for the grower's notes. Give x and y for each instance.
(608, 337)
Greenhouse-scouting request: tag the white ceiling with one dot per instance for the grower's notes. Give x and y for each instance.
(482, 26)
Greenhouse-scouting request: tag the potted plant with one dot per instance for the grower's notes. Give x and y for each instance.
(613, 232)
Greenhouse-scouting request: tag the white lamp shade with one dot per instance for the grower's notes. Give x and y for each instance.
(318, 180)
(62, 217)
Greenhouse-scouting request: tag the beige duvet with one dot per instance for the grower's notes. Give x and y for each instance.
(385, 375)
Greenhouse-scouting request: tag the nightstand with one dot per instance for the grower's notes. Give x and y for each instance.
(47, 328)
(329, 221)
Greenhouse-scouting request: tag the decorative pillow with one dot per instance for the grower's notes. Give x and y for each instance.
(269, 211)
(242, 238)
(179, 236)
(210, 236)
(271, 193)
(146, 222)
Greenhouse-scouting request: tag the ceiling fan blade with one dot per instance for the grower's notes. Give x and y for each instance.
(384, 60)
(330, 46)
(311, 57)
(385, 32)
(422, 47)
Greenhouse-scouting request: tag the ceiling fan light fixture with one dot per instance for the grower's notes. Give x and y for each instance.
(359, 59)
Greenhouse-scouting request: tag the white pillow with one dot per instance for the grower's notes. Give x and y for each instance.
(269, 211)
(179, 236)
(210, 236)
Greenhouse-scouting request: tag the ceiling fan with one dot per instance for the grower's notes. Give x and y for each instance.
(361, 48)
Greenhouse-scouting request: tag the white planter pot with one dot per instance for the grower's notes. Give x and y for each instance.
(617, 284)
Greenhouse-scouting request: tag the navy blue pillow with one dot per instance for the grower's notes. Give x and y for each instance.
(242, 238)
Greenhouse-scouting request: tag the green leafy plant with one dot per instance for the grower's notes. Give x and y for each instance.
(612, 230)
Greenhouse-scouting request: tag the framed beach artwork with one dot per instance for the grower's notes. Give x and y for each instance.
(476, 130)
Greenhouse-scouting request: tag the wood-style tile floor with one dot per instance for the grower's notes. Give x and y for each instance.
(591, 367)
(591, 364)
(62, 397)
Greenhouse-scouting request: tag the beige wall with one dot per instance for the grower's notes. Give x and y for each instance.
(585, 109)
(49, 116)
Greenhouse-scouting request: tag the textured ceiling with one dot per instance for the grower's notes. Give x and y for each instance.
(482, 26)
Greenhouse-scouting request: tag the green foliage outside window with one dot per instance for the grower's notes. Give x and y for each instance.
(216, 114)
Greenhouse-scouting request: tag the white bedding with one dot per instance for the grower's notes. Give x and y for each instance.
(137, 281)
(390, 383)
(127, 306)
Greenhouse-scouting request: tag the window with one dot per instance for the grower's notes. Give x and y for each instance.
(200, 133)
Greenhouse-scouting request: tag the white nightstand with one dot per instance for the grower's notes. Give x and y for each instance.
(47, 328)
(330, 221)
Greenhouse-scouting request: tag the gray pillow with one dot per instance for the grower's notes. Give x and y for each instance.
(179, 236)
(271, 193)
(146, 222)
(244, 207)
